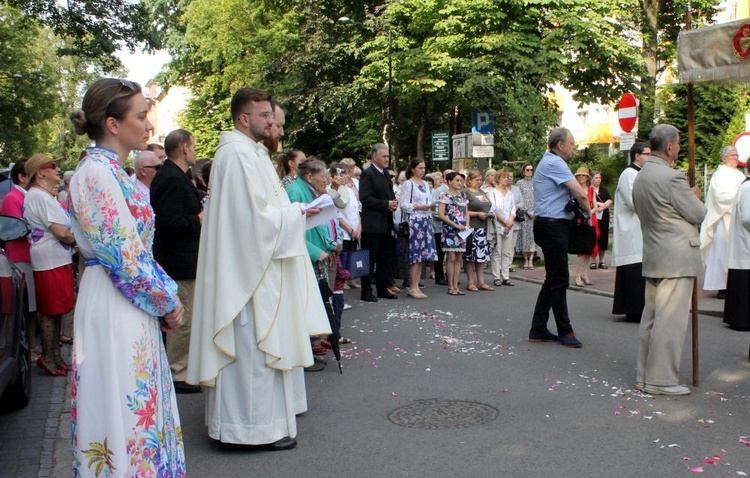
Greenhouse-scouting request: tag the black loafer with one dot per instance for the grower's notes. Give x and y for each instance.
(183, 387)
(387, 295)
(368, 298)
(285, 443)
(441, 282)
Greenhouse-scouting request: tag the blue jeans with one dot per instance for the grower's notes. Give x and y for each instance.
(552, 236)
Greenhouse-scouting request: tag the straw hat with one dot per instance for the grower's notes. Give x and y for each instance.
(582, 172)
(35, 163)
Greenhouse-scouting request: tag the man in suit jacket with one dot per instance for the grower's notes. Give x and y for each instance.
(670, 212)
(178, 213)
(378, 204)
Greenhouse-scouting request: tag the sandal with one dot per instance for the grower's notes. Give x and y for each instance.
(55, 373)
(345, 340)
(603, 266)
(578, 282)
(472, 288)
(453, 292)
(587, 281)
(508, 283)
(592, 266)
(459, 292)
(485, 287)
(498, 283)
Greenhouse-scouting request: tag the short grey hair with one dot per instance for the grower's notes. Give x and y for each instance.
(727, 150)
(375, 148)
(347, 163)
(661, 136)
(557, 135)
(142, 156)
(310, 166)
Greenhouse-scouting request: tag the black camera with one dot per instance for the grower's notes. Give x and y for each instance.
(574, 207)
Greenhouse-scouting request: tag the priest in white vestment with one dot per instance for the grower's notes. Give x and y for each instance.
(256, 296)
(720, 200)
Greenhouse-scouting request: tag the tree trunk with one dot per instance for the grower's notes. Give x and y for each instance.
(650, 32)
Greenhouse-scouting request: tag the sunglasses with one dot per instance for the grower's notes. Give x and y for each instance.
(155, 167)
(49, 166)
(126, 85)
(529, 169)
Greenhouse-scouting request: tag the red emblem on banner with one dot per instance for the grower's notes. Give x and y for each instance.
(741, 42)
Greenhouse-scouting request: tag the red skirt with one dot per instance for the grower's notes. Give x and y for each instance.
(54, 290)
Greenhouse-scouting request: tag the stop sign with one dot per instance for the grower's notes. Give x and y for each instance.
(627, 112)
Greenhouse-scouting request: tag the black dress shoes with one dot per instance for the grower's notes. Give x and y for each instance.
(285, 443)
(183, 387)
(387, 295)
(441, 282)
(368, 297)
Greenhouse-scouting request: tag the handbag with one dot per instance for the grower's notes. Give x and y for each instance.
(357, 262)
(520, 215)
(403, 226)
(581, 239)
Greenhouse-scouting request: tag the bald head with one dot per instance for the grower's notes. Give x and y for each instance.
(145, 164)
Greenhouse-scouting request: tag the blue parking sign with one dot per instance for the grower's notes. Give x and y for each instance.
(483, 122)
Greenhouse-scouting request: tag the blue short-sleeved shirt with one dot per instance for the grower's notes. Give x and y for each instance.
(550, 192)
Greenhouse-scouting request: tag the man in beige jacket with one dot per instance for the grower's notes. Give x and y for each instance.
(670, 212)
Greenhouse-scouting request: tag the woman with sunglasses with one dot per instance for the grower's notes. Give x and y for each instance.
(525, 243)
(124, 409)
(51, 257)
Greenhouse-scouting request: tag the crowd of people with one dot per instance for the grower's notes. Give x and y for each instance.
(210, 275)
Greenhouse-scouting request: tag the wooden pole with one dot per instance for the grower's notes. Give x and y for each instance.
(691, 178)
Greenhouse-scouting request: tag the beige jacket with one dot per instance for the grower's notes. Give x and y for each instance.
(669, 214)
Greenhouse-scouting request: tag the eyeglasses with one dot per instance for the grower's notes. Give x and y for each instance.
(155, 167)
(529, 170)
(266, 115)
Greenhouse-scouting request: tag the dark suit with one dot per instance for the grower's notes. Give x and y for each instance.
(176, 206)
(178, 229)
(375, 191)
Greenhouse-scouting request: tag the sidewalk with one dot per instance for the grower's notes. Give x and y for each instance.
(604, 285)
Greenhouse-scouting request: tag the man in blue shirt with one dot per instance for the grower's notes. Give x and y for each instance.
(554, 185)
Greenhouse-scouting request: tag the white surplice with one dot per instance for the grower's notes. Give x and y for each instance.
(256, 300)
(720, 199)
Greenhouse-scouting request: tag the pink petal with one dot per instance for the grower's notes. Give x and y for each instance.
(697, 469)
(394, 394)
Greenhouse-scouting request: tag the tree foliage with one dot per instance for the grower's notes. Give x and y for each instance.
(94, 29)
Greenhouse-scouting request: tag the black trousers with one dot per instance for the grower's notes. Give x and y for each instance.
(439, 271)
(380, 247)
(552, 236)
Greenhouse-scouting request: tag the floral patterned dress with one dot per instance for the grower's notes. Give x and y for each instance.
(421, 239)
(124, 411)
(455, 210)
(525, 241)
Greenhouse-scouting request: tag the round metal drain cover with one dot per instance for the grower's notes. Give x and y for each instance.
(439, 414)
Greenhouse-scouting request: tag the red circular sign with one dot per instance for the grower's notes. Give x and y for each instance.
(627, 112)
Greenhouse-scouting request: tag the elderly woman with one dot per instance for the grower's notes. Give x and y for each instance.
(489, 180)
(323, 240)
(504, 211)
(415, 202)
(583, 177)
(51, 257)
(477, 247)
(124, 407)
(286, 166)
(526, 244)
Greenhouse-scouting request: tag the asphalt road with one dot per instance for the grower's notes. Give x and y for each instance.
(545, 410)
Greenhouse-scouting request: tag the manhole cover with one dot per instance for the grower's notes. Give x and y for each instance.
(438, 414)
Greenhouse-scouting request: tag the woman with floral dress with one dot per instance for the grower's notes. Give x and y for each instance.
(452, 211)
(124, 411)
(525, 243)
(477, 248)
(414, 199)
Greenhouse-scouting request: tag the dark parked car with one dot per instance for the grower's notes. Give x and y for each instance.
(15, 361)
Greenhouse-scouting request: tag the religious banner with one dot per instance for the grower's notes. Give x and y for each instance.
(718, 52)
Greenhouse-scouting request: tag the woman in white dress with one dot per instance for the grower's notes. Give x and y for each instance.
(124, 411)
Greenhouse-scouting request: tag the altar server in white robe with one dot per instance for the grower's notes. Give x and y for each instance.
(256, 298)
(720, 199)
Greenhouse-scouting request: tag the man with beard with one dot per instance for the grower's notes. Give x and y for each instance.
(257, 300)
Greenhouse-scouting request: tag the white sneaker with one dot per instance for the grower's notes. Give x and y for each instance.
(672, 390)
(347, 306)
